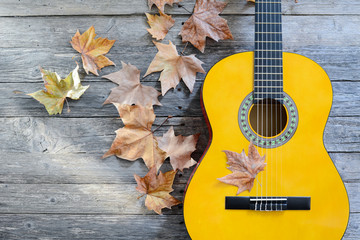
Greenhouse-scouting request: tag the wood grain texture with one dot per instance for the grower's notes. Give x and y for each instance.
(54, 184)
(130, 7)
(178, 102)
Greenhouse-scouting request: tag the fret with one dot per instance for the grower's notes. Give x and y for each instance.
(270, 18)
(276, 38)
(269, 73)
(268, 70)
(268, 41)
(268, 50)
(267, 78)
(267, 66)
(267, 83)
(268, 63)
(261, 96)
(269, 13)
(268, 27)
(268, 58)
(268, 23)
(263, 53)
(269, 93)
(268, 32)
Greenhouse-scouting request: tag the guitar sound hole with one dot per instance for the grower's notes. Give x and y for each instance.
(268, 117)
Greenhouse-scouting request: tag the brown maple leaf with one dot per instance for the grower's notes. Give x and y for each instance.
(136, 140)
(205, 22)
(92, 50)
(158, 189)
(178, 148)
(130, 90)
(244, 168)
(159, 25)
(160, 4)
(174, 67)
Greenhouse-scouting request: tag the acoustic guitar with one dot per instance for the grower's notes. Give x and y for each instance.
(279, 102)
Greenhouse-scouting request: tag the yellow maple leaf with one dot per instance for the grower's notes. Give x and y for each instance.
(92, 50)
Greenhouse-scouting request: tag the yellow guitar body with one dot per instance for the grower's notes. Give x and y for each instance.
(303, 167)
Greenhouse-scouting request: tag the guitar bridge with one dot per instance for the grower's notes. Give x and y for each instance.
(267, 203)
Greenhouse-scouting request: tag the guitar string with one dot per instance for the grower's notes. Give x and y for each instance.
(281, 68)
(271, 106)
(262, 84)
(266, 100)
(276, 113)
(276, 119)
(257, 16)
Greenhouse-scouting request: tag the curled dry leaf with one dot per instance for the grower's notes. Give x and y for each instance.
(136, 140)
(174, 67)
(205, 22)
(130, 90)
(160, 4)
(92, 50)
(159, 25)
(244, 168)
(158, 189)
(57, 90)
(178, 148)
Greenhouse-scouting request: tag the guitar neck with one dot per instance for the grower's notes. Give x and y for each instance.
(268, 71)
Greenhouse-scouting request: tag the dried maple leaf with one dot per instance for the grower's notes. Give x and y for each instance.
(244, 168)
(205, 22)
(160, 4)
(136, 140)
(174, 67)
(57, 90)
(158, 189)
(159, 25)
(130, 90)
(92, 50)
(178, 148)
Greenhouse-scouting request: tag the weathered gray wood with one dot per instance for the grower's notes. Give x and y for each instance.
(113, 7)
(78, 199)
(97, 198)
(51, 165)
(70, 226)
(178, 102)
(22, 64)
(44, 168)
(79, 135)
(44, 32)
(95, 135)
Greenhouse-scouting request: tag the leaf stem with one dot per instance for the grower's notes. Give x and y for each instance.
(67, 104)
(182, 53)
(141, 196)
(161, 124)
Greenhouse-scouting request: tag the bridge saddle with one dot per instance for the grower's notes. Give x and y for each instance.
(267, 203)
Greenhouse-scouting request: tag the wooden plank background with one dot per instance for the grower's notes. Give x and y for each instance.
(54, 184)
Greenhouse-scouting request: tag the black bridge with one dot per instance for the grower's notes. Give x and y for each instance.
(268, 203)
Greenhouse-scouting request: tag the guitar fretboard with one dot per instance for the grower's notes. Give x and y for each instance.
(268, 79)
